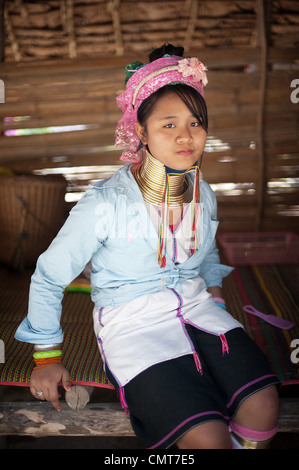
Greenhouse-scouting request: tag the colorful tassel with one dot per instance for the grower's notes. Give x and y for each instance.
(122, 398)
(197, 362)
(164, 216)
(163, 225)
(196, 200)
(225, 348)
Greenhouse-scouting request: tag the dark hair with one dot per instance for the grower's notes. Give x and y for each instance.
(166, 49)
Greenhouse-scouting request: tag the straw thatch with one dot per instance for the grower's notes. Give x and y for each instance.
(94, 28)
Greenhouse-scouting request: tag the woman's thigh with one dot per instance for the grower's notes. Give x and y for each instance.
(169, 399)
(241, 371)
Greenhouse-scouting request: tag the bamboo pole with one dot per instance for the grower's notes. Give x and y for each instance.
(263, 49)
(193, 6)
(12, 37)
(2, 31)
(113, 6)
(71, 29)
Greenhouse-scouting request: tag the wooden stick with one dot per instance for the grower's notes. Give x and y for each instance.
(113, 7)
(193, 5)
(12, 37)
(71, 29)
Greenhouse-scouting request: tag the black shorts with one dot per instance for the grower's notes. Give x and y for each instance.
(168, 399)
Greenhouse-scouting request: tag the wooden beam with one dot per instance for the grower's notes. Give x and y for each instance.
(23, 12)
(67, 21)
(71, 29)
(191, 5)
(12, 37)
(2, 31)
(263, 50)
(40, 419)
(215, 58)
(113, 6)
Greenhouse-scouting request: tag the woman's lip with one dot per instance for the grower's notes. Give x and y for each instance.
(185, 152)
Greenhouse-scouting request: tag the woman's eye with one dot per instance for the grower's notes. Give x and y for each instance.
(194, 124)
(169, 126)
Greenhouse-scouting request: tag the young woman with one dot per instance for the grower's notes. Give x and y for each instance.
(183, 367)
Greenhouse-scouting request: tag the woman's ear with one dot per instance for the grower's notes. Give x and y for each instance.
(140, 130)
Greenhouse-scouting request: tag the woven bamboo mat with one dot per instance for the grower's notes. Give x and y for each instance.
(272, 290)
(264, 287)
(80, 351)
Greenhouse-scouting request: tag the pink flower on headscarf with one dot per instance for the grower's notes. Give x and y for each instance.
(195, 68)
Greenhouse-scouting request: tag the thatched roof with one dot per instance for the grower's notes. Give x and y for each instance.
(94, 28)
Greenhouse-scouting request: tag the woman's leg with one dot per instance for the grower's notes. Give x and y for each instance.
(260, 410)
(172, 403)
(211, 435)
(255, 423)
(246, 381)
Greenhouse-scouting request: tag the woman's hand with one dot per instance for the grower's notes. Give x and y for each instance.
(215, 291)
(46, 380)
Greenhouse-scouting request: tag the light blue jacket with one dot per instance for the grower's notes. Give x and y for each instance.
(111, 226)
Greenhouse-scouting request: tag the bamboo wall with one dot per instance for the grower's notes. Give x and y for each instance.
(52, 78)
(84, 93)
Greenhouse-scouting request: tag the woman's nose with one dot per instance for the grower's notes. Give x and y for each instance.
(184, 135)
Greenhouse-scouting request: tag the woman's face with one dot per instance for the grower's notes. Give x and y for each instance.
(173, 135)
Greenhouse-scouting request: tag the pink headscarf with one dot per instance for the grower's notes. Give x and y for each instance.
(145, 81)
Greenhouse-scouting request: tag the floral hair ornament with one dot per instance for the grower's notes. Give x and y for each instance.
(145, 80)
(195, 68)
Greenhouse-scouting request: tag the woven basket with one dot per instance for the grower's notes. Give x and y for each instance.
(32, 210)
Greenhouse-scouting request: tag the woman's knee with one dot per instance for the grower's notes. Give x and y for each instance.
(211, 435)
(260, 410)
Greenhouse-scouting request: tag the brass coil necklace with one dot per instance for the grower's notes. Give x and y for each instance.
(167, 189)
(150, 176)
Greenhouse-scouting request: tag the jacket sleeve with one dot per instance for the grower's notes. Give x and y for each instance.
(62, 262)
(211, 270)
